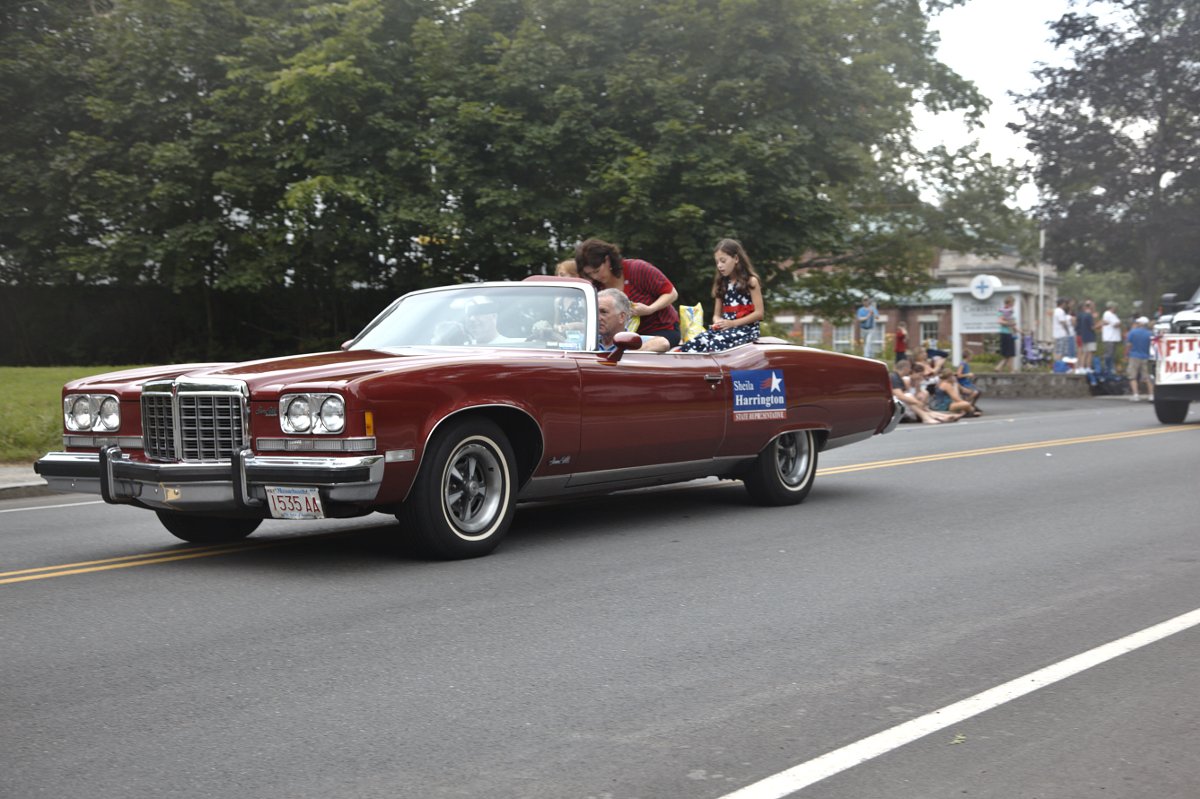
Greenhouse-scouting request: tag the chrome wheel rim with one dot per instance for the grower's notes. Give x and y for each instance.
(793, 459)
(474, 486)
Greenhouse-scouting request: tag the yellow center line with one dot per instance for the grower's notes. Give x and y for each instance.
(167, 556)
(144, 556)
(971, 453)
(148, 558)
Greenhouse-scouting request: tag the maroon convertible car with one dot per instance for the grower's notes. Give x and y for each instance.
(451, 406)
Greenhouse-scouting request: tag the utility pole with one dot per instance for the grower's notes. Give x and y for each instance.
(1041, 310)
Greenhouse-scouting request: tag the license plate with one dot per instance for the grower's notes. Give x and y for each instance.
(294, 503)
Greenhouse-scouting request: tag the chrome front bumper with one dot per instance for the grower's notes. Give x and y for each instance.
(238, 486)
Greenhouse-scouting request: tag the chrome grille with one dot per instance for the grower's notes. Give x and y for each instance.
(193, 422)
(210, 427)
(158, 426)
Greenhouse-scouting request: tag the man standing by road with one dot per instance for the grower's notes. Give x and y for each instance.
(1110, 335)
(1064, 331)
(1087, 334)
(867, 316)
(1138, 369)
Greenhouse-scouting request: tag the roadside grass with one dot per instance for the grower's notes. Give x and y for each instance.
(32, 423)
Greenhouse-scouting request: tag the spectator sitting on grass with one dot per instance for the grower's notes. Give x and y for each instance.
(924, 374)
(915, 407)
(946, 396)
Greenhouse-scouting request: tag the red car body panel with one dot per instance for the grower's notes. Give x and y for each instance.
(577, 419)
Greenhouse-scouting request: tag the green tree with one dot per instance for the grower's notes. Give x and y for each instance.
(242, 144)
(902, 216)
(321, 118)
(145, 168)
(1103, 288)
(666, 126)
(231, 146)
(1117, 134)
(43, 91)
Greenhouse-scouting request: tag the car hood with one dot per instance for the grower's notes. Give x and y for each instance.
(336, 369)
(312, 371)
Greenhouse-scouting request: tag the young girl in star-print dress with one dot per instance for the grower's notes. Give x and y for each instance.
(739, 306)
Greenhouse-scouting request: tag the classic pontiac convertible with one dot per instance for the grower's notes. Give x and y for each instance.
(450, 407)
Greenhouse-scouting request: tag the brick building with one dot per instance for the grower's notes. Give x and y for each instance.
(929, 315)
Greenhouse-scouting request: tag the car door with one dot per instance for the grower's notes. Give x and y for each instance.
(647, 410)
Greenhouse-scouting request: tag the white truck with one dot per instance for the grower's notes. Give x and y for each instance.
(1177, 375)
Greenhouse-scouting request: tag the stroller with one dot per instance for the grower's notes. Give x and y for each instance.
(1032, 354)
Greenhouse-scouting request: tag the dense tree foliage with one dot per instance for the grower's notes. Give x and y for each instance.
(1117, 132)
(242, 144)
(43, 49)
(1102, 288)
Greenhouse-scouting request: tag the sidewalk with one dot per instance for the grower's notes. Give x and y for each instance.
(19, 480)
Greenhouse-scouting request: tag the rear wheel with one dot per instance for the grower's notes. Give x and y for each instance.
(784, 472)
(463, 500)
(1170, 411)
(207, 529)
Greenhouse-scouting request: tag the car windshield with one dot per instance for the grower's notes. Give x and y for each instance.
(520, 316)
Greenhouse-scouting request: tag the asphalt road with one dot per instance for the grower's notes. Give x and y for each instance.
(675, 642)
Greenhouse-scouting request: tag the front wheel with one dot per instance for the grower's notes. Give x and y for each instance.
(463, 500)
(207, 529)
(1170, 411)
(784, 471)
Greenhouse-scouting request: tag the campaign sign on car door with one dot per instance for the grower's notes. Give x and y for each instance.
(758, 394)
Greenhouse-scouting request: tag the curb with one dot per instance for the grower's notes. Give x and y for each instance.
(23, 490)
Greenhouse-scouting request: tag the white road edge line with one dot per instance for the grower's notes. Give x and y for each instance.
(799, 777)
(51, 507)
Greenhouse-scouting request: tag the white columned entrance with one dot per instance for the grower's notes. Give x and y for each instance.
(975, 309)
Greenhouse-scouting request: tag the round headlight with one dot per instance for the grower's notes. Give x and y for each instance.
(110, 414)
(299, 415)
(79, 412)
(333, 414)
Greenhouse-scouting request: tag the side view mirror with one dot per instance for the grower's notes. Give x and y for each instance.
(624, 341)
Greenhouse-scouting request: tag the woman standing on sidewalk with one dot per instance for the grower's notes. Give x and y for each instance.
(1008, 335)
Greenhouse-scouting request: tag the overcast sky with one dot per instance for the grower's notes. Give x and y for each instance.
(996, 44)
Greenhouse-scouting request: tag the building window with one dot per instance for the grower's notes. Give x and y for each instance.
(843, 338)
(929, 333)
(814, 334)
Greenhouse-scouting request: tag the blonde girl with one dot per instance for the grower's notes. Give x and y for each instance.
(569, 313)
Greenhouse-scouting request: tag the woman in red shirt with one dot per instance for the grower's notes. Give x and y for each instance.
(648, 289)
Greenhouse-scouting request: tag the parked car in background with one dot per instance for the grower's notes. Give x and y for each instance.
(1170, 306)
(450, 407)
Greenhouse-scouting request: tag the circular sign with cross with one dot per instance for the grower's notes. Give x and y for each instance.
(984, 286)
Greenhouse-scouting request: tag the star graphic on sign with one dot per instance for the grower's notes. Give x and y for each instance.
(774, 382)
